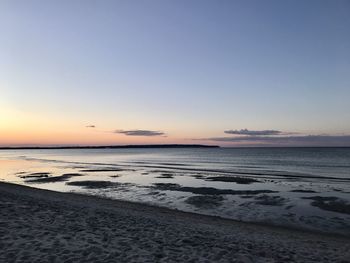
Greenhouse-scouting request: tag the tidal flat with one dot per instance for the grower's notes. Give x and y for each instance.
(248, 188)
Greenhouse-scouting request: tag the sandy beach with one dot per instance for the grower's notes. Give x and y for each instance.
(45, 226)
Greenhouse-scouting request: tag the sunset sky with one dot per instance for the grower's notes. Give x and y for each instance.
(183, 71)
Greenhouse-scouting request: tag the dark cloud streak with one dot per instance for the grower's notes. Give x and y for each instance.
(308, 140)
(253, 133)
(140, 132)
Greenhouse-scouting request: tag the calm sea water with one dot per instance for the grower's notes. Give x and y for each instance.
(298, 187)
(328, 162)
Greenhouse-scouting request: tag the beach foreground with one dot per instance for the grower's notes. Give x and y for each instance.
(45, 226)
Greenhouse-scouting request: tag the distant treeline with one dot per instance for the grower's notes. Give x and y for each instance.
(113, 146)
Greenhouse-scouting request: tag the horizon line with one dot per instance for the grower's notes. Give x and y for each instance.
(62, 147)
(110, 146)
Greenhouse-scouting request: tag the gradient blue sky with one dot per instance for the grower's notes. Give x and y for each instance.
(190, 69)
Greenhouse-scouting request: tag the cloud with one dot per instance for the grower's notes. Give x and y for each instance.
(140, 132)
(90, 126)
(254, 133)
(308, 140)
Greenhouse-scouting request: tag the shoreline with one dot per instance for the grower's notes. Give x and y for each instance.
(172, 234)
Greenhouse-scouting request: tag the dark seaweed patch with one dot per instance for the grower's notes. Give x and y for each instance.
(61, 178)
(21, 173)
(234, 179)
(103, 170)
(206, 190)
(302, 191)
(159, 171)
(97, 184)
(338, 190)
(246, 196)
(94, 184)
(153, 193)
(205, 201)
(166, 176)
(330, 203)
(35, 175)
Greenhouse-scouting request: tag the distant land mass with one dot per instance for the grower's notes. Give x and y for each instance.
(113, 146)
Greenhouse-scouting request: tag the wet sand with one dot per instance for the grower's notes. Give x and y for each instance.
(45, 226)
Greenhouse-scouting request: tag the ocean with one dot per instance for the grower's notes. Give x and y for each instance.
(306, 188)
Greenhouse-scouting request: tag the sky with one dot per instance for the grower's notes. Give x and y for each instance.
(186, 71)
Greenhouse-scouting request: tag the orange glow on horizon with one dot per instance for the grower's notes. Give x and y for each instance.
(18, 128)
